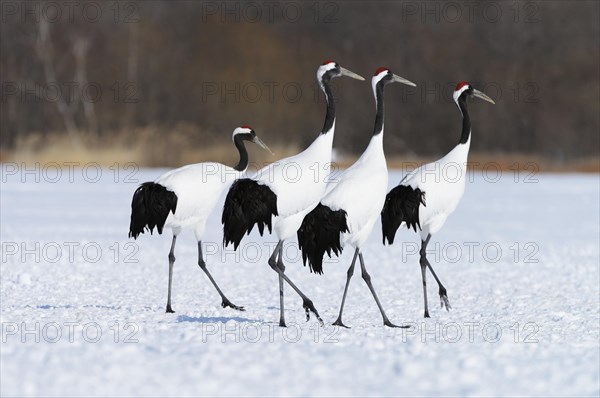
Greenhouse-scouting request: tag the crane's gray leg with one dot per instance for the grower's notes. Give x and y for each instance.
(423, 262)
(171, 263)
(306, 302)
(442, 292)
(277, 265)
(280, 263)
(424, 276)
(444, 302)
(281, 266)
(349, 274)
(367, 279)
(202, 264)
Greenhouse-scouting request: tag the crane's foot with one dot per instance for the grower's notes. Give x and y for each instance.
(308, 308)
(169, 310)
(386, 322)
(444, 299)
(426, 315)
(226, 303)
(338, 322)
(282, 323)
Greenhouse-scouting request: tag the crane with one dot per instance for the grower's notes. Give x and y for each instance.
(424, 199)
(348, 212)
(184, 198)
(277, 199)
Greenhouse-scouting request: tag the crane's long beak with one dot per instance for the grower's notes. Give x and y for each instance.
(481, 95)
(402, 80)
(261, 144)
(346, 72)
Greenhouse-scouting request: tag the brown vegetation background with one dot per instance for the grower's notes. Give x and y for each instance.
(165, 83)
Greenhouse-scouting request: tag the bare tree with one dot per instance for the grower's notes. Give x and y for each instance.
(132, 70)
(80, 49)
(45, 51)
(68, 109)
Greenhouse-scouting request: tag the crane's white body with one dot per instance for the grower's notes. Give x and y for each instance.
(198, 188)
(361, 192)
(443, 182)
(299, 182)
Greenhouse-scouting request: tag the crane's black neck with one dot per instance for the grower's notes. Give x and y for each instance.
(378, 129)
(466, 122)
(239, 144)
(330, 115)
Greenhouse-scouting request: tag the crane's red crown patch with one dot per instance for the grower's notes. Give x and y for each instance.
(379, 70)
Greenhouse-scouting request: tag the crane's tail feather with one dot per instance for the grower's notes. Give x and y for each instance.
(320, 233)
(150, 208)
(248, 203)
(401, 205)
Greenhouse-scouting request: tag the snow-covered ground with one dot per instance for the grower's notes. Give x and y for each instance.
(82, 306)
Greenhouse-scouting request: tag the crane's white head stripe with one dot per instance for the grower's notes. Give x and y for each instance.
(379, 74)
(326, 67)
(245, 129)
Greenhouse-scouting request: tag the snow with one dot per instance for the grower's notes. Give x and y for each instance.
(82, 306)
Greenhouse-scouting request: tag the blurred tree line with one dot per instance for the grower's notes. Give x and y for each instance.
(89, 68)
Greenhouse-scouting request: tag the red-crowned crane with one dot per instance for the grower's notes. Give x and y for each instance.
(184, 198)
(349, 210)
(279, 198)
(425, 199)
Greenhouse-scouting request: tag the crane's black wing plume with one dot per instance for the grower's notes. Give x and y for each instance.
(321, 232)
(401, 204)
(247, 203)
(150, 208)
